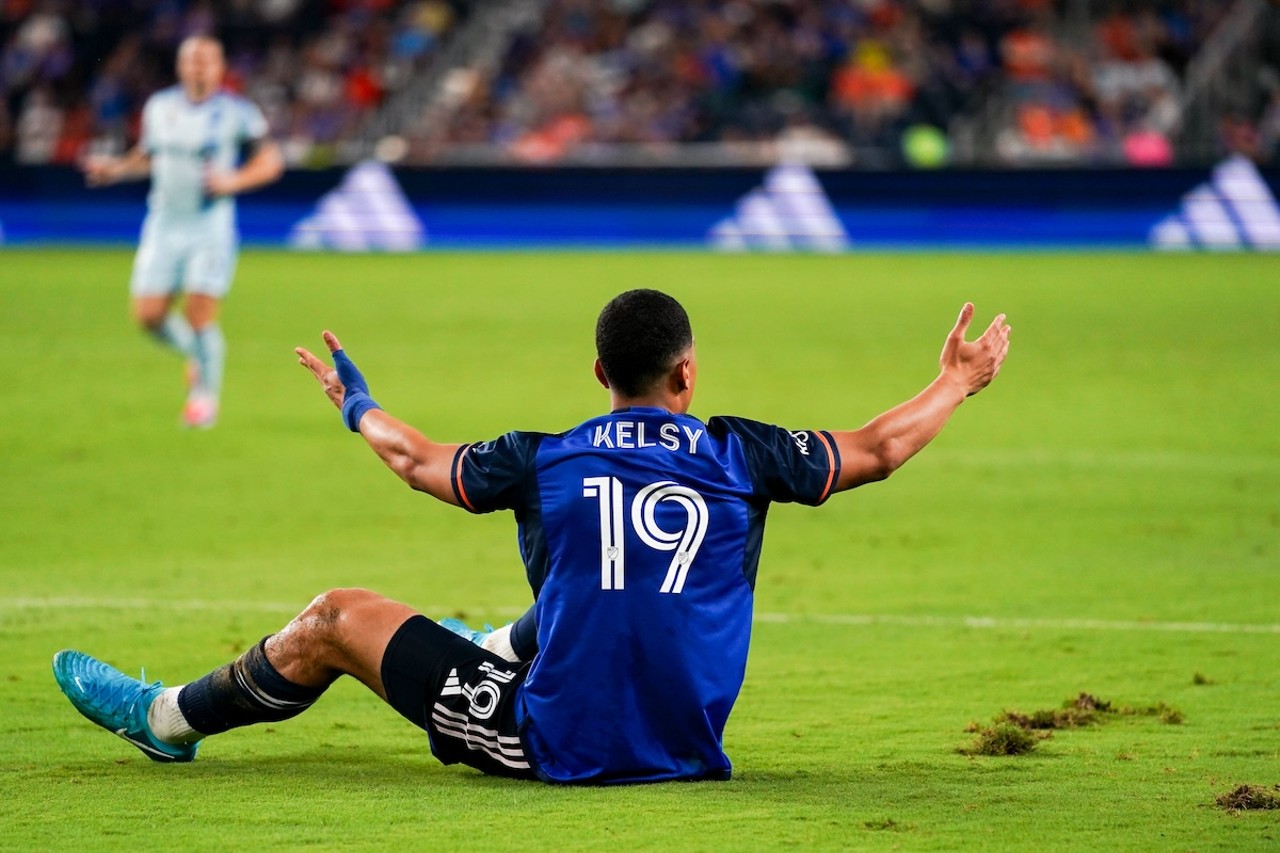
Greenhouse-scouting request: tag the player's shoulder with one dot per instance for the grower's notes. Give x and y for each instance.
(785, 464)
(167, 95)
(528, 436)
(518, 442)
(229, 96)
(767, 438)
(249, 116)
(724, 425)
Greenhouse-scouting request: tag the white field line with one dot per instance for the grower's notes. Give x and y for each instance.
(851, 619)
(1001, 623)
(1170, 460)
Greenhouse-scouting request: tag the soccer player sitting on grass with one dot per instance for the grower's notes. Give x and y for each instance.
(640, 531)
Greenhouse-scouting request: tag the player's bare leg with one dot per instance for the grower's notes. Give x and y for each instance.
(155, 316)
(341, 632)
(150, 311)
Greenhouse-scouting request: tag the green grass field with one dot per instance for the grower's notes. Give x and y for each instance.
(1104, 518)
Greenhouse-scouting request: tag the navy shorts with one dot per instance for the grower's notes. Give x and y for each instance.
(462, 695)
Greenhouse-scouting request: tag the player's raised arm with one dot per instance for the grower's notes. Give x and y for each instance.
(882, 446)
(416, 459)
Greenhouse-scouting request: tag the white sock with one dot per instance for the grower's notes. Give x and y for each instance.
(210, 351)
(166, 721)
(499, 642)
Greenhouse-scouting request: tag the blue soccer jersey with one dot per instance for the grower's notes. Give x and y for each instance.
(641, 532)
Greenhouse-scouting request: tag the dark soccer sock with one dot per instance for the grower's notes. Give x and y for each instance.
(524, 636)
(247, 690)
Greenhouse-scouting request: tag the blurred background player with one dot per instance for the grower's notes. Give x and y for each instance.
(192, 135)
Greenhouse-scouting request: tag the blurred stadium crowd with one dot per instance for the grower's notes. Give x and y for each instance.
(876, 83)
(74, 74)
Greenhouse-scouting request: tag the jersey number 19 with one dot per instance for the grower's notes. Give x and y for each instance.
(685, 542)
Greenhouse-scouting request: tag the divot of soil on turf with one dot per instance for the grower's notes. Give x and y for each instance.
(1250, 798)
(1004, 738)
(1017, 733)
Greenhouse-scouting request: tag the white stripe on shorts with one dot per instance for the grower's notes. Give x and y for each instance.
(507, 750)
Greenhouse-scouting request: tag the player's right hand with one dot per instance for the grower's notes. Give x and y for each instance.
(348, 373)
(327, 376)
(99, 171)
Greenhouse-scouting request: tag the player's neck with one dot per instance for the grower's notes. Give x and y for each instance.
(672, 393)
(675, 403)
(199, 96)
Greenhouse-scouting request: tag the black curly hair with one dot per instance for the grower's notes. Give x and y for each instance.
(639, 337)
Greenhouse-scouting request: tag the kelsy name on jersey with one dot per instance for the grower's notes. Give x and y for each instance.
(633, 435)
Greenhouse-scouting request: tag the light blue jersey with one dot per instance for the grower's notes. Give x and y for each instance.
(189, 240)
(187, 140)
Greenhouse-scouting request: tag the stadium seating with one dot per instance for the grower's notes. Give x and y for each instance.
(872, 84)
(74, 76)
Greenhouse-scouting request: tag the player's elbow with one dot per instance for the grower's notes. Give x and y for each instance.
(867, 456)
(422, 477)
(879, 469)
(894, 454)
(408, 470)
(273, 169)
(885, 458)
(868, 466)
(275, 165)
(431, 481)
(270, 162)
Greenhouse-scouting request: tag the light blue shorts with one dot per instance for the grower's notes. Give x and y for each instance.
(187, 256)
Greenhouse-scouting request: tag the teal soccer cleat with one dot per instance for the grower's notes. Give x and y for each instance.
(116, 702)
(460, 628)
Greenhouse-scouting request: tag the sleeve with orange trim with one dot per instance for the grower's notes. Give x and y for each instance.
(496, 474)
(786, 466)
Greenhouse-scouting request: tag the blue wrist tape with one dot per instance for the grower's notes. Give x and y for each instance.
(355, 400)
(354, 406)
(348, 373)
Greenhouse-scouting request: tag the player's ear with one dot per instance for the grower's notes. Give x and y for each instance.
(684, 375)
(600, 377)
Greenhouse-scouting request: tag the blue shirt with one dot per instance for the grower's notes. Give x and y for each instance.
(640, 532)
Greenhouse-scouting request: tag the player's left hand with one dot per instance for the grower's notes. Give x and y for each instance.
(975, 363)
(327, 376)
(222, 183)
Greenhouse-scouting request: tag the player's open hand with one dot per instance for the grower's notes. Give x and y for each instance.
(218, 183)
(973, 364)
(100, 171)
(326, 375)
